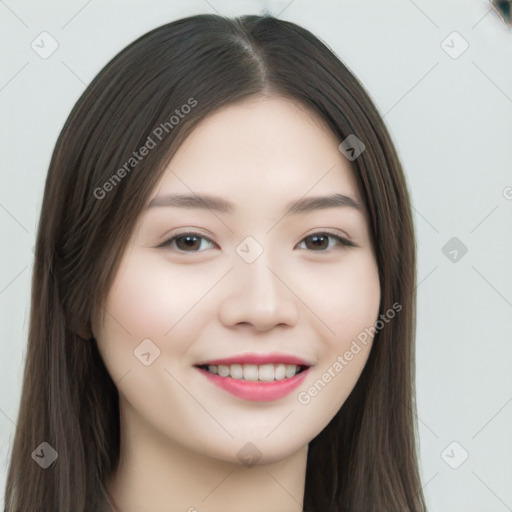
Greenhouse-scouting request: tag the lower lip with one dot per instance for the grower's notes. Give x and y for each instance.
(257, 391)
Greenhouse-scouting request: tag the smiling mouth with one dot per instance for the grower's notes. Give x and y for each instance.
(256, 383)
(254, 372)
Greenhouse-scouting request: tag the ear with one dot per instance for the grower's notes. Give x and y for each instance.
(83, 331)
(84, 334)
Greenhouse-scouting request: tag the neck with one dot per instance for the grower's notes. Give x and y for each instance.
(157, 475)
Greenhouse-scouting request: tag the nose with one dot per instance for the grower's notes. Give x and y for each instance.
(259, 297)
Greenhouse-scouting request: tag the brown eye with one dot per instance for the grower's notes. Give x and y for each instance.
(186, 242)
(317, 242)
(320, 242)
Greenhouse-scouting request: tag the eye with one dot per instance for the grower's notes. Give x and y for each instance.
(319, 242)
(186, 242)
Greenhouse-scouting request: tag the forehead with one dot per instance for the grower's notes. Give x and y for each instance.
(258, 149)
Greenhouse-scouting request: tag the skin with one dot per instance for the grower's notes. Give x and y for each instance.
(180, 433)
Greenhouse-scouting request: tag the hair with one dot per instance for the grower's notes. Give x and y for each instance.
(365, 459)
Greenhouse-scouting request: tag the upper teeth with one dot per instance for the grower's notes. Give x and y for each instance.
(265, 372)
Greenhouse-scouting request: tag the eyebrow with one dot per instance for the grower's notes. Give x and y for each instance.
(303, 205)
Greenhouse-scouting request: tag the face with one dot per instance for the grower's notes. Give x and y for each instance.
(246, 279)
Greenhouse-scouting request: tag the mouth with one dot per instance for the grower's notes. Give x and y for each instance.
(254, 372)
(255, 377)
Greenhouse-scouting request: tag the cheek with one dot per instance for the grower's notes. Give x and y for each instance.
(148, 297)
(135, 309)
(345, 307)
(358, 296)
(151, 299)
(344, 297)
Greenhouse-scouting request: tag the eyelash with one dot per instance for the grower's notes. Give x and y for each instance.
(342, 241)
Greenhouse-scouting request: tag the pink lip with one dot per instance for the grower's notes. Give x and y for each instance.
(259, 359)
(257, 391)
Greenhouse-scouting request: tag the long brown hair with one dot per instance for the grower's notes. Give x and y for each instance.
(366, 458)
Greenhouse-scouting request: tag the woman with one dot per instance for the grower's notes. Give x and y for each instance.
(223, 293)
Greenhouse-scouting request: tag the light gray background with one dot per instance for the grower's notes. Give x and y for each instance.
(451, 120)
